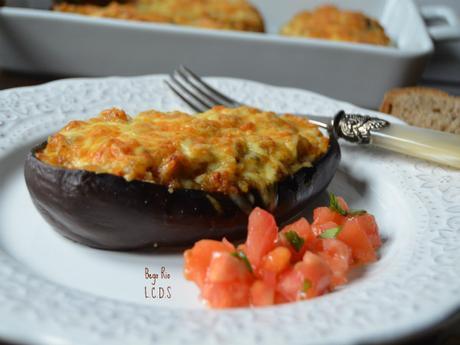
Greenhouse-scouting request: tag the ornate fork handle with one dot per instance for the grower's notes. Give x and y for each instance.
(423, 143)
(357, 128)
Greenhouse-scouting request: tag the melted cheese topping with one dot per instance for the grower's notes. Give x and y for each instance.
(212, 14)
(222, 150)
(328, 22)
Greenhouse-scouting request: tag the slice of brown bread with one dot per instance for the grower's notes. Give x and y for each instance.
(424, 107)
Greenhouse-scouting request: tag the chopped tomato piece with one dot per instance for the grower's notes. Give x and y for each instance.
(338, 257)
(342, 203)
(289, 284)
(318, 229)
(224, 267)
(301, 262)
(268, 277)
(323, 215)
(279, 298)
(303, 229)
(367, 221)
(315, 273)
(262, 294)
(354, 234)
(308, 278)
(276, 260)
(262, 235)
(226, 295)
(198, 258)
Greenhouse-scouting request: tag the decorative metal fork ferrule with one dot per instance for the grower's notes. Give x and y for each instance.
(357, 128)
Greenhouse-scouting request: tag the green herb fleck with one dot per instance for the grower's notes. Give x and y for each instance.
(295, 240)
(330, 233)
(335, 206)
(306, 285)
(242, 256)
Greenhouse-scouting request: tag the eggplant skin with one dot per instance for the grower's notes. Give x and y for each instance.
(107, 212)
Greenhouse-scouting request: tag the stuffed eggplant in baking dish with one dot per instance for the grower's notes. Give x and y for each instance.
(119, 182)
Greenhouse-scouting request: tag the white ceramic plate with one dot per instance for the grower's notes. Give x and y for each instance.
(55, 291)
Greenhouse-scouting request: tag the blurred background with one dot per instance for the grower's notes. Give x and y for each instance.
(34, 56)
(443, 70)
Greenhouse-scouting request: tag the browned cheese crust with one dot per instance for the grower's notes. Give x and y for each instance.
(237, 15)
(221, 150)
(329, 22)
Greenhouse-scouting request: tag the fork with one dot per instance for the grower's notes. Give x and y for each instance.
(422, 143)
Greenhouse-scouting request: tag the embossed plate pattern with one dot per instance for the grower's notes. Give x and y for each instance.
(54, 291)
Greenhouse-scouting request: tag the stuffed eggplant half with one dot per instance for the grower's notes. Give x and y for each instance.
(166, 179)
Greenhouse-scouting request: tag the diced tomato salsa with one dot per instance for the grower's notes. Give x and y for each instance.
(302, 261)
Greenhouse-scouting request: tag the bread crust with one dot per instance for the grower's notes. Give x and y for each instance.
(424, 107)
(390, 96)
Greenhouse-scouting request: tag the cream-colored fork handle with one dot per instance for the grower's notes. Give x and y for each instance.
(423, 143)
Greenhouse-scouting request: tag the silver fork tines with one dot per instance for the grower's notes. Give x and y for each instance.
(199, 95)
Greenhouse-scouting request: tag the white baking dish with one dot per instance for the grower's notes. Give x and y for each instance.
(42, 41)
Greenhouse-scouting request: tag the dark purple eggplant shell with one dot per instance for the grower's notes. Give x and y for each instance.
(106, 211)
